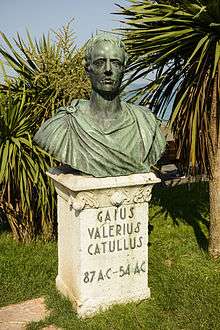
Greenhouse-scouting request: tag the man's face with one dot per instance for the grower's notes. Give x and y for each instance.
(106, 68)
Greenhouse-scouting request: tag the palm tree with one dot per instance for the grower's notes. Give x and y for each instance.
(179, 41)
(47, 75)
(51, 71)
(27, 196)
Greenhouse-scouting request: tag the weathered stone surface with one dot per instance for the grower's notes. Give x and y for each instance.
(15, 317)
(102, 239)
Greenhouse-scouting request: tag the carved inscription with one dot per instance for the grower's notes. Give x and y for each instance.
(117, 230)
(118, 233)
(109, 273)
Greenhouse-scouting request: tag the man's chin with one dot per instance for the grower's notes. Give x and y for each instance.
(107, 91)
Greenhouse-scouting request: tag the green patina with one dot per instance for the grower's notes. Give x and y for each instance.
(104, 136)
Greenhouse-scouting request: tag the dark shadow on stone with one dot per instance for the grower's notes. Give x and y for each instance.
(65, 169)
(150, 229)
(187, 204)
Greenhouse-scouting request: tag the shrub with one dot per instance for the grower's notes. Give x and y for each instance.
(47, 75)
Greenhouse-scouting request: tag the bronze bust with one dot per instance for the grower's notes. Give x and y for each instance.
(103, 136)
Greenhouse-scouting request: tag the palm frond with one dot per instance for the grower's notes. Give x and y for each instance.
(180, 41)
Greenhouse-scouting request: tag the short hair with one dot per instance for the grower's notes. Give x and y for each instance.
(99, 38)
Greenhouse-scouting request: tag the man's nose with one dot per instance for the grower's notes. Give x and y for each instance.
(108, 67)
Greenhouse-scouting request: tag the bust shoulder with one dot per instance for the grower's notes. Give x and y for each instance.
(142, 112)
(137, 107)
(74, 106)
(79, 102)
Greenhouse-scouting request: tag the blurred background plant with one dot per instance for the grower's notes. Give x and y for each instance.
(38, 77)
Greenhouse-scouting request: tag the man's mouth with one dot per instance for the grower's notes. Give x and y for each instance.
(108, 81)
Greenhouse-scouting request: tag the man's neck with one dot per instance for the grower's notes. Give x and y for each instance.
(103, 107)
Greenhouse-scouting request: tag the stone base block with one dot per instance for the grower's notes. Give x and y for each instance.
(102, 239)
(91, 306)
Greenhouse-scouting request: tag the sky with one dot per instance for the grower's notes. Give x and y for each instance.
(39, 16)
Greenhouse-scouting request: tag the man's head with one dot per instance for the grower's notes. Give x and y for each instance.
(105, 59)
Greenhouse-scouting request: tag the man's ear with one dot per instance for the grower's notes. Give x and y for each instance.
(87, 69)
(86, 66)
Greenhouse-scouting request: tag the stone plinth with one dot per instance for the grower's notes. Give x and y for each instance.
(102, 239)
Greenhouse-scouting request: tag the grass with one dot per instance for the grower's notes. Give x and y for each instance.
(184, 282)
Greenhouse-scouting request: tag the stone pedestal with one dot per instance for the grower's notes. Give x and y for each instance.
(102, 239)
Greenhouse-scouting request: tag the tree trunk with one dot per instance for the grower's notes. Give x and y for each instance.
(214, 182)
(214, 198)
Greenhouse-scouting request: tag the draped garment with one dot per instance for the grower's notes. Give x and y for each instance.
(132, 143)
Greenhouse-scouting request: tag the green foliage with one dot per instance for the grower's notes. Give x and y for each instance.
(52, 72)
(47, 75)
(180, 42)
(27, 196)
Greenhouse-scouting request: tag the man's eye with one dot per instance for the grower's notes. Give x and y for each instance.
(99, 62)
(116, 63)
